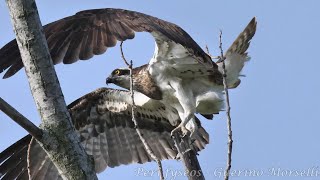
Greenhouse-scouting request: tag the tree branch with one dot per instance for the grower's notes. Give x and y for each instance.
(59, 139)
(188, 156)
(212, 57)
(145, 143)
(28, 158)
(230, 140)
(20, 119)
(125, 61)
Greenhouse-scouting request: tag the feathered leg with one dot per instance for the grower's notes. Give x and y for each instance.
(188, 104)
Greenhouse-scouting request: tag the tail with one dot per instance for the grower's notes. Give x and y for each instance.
(236, 55)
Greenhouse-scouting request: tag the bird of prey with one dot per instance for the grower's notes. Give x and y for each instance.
(103, 122)
(179, 74)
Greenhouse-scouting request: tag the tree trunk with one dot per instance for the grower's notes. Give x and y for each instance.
(59, 139)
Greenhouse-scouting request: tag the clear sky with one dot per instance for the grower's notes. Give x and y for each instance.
(274, 110)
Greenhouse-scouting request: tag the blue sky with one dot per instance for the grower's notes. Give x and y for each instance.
(274, 110)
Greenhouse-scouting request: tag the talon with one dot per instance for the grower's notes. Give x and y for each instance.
(177, 157)
(175, 130)
(184, 131)
(182, 128)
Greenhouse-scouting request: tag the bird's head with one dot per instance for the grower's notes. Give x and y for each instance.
(120, 77)
(142, 81)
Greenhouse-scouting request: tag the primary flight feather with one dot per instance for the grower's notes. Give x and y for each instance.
(179, 74)
(102, 120)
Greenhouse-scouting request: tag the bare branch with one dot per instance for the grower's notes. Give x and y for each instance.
(212, 57)
(230, 140)
(124, 58)
(145, 143)
(20, 119)
(188, 156)
(207, 49)
(28, 158)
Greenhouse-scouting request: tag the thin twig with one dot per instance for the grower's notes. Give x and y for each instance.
(124, 59)
(20, 119)
(212, 57)
(28, 157)
(146, 145)
(230, 141)
(207, 48)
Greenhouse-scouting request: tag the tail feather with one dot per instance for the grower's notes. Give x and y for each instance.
(236, 55)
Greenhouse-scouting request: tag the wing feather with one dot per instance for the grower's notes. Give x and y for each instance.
(12, 156)
(236, 55)
(11, 174)
(108, 134)
(87, 50)
(72, 50)
(242, 42)
(102, 162)
(59, 46)
(96, 30)
(99, 47)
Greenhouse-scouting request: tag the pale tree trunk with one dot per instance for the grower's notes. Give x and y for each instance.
(58, 139)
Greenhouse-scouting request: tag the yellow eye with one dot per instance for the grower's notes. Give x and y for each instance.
(117, 72)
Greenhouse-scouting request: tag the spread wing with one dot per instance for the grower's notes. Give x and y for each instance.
(242, 43)
(91, 32)
(237, 55)
(103, 121)
(172, 57)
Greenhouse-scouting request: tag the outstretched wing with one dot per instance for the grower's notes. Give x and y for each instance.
(91, 32)
(237, 55)
(13, 160)
(103, 121)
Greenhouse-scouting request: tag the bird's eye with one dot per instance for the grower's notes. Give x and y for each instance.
(117, 72)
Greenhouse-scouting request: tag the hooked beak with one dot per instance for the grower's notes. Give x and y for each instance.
(109, 80)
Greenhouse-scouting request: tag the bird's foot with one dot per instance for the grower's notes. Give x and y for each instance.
(184, 131)
(193, 135)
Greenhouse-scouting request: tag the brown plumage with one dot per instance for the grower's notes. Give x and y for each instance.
(102, 119)
(242, 43)
(144, 83)
(237, 54)
(91, 32)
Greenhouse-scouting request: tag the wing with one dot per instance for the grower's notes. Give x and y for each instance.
(103, 121)
(236, 55)
(171, 57)
(91, 32)
(13, 160)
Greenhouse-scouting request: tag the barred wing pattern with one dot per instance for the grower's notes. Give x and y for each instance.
(91, 32)
(237, 54)
(103, 121)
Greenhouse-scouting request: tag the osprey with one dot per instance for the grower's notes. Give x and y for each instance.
(103, 122)
(180, 74)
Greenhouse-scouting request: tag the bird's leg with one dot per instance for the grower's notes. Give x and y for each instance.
(181, 127)
(193, 127)
(187, 127)
(187, 102)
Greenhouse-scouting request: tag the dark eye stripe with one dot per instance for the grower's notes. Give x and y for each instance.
(125, 72)
(121, 72)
